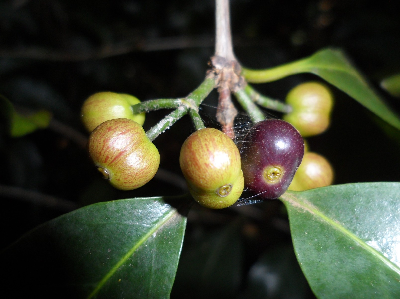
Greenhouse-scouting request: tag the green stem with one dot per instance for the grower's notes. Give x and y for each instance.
(192, 101)
(196, 118)
(166, 122)
(158, 104)
(201, 92)
(273, 74)
(252, 110)
(267, 102)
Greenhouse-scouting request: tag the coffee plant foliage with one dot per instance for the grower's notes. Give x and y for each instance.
(67, 233)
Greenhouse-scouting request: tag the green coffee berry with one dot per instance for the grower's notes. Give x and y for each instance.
(103, 106)
(210, 163)
(124, 155)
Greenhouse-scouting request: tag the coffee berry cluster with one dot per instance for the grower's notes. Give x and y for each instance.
(271, 159)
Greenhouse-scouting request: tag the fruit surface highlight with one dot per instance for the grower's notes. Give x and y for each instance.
(103, 106)
(124, 155)
(210, 163)
(311, 104)
(314, 172)
(271, 153)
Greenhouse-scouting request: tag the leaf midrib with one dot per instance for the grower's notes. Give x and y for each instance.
(305, 205)
(143, 239)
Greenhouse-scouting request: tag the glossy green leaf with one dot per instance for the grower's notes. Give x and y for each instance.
(17, 124)
(121, 249)
(392, 85)
(334, 67)
(347, 239)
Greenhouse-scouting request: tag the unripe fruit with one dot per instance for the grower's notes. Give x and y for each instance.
(210, 163)
(311, 108)
(314, 171)
(103, 106)
(123, 154)
(271, 153)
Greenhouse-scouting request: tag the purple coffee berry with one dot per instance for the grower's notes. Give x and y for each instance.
(271, 153)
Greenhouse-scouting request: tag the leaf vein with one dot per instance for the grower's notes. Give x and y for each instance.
(144, 238)
(305, 205)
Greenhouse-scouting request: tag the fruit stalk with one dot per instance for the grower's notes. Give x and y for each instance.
(266, 102)
(204, 89)
(248, 105)
(196, 118)
(194, 98)
(165, 123)
(158, 104)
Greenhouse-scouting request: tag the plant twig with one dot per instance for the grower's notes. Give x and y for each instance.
(110, 50)
(223, 37)
(226, 111)
(68, 132)
(37, 198)
(224, 62)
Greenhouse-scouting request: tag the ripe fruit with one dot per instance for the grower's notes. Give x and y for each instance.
(103, 106)
(314, 171)
(123, 154)
(271, 153)
(210, 163)
(312, 105)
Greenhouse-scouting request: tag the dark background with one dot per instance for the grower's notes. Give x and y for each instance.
(54, 54)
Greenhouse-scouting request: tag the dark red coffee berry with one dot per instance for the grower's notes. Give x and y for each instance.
(271, 153)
